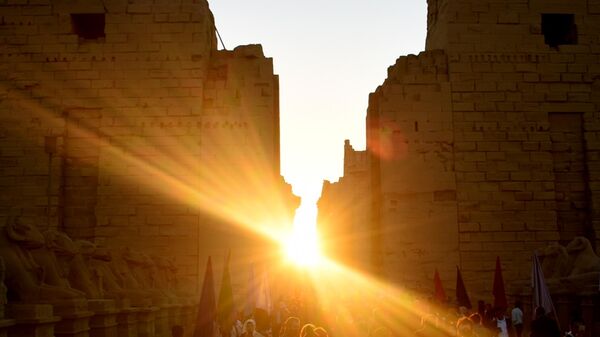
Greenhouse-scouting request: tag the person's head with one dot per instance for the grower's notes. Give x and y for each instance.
(249, 326)
(321, 332)
(464, 327)
(499, 313)
(475, 318)
(539, 312)
(308, 330)
(177, 331)
(291, 327)
(518, 304)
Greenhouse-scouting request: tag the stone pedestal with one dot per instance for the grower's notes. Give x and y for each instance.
(563, 307)
(127, 323)
(161, 322)
(74, 318)
(590, 309)
(145, 322)
(122, 303)
(5, 324)
(104, 321)
(32, 320)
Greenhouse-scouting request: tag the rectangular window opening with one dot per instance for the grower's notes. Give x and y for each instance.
(88, 26)
(559, 29)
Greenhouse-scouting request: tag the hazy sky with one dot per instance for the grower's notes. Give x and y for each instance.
(329, 55)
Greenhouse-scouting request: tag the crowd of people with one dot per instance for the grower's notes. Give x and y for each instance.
(416, 319)
(495, 322)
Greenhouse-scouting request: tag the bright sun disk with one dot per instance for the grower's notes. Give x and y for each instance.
(302, 246)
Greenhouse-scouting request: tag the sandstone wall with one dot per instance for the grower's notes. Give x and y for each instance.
(344, 213)
(486, 144)
(410, 141)
(525, 130)
(150, 123)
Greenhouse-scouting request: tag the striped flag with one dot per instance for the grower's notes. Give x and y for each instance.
(541, 295)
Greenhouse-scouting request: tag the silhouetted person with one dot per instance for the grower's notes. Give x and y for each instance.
(250, 329)
(177, 331)
(308, 330)
(488, 317)
(279, 316)
(478, 328)
(291, 327)
(543, 326)
(261, 318)
(238, 327)
(481, 308)
(501, 323)
(516, 318)
(321, 332)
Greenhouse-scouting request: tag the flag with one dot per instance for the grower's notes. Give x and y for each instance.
(541, 295)
(439, 294)
(462, 297)
(498, 288)
(205, 323)
(251, 290)
(263, 300)
(262, 309)
(225, 305)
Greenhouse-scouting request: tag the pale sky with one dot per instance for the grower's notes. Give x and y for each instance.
(329, 55)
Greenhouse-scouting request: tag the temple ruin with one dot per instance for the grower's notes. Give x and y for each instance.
(484, 145)
(122, 125)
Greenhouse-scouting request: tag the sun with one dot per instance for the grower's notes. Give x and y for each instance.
(301, 246)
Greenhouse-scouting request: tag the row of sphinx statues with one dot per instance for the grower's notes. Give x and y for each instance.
(50, 267)
(575, 259)
(571, 269)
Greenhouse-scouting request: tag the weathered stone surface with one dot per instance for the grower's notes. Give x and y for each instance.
(344, 212)
(132, 135)
(3, 289)
(485, 144)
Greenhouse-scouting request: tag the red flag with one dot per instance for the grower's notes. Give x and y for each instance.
(498, 288)
(440, 294)
(462, 297)
(207, 310)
